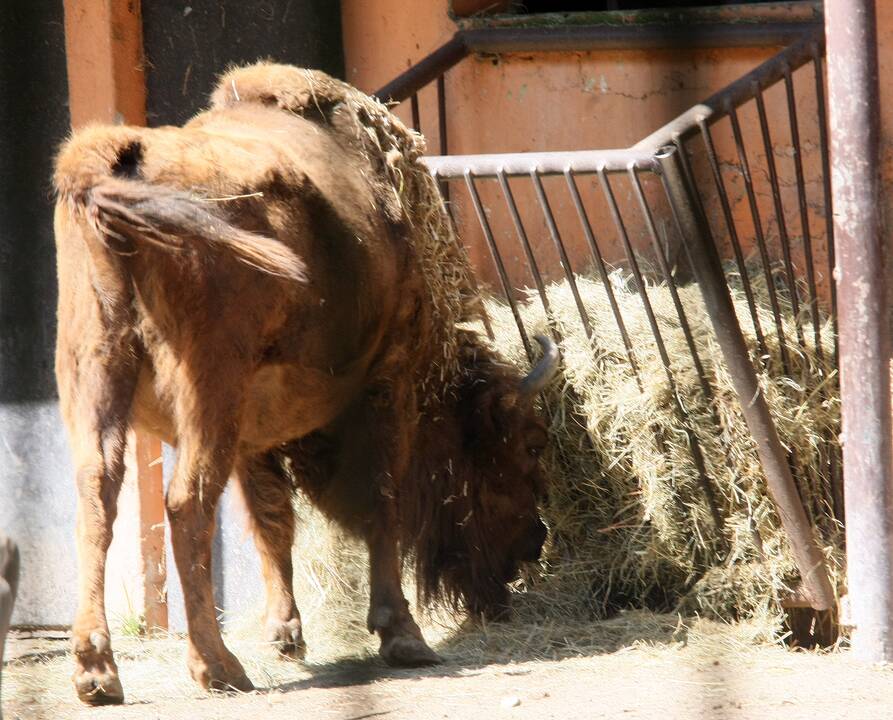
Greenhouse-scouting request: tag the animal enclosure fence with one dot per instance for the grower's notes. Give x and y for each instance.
(724, 178)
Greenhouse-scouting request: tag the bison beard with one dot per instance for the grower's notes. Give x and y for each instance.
(250, 289)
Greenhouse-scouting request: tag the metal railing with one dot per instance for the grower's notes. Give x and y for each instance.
(681, 159)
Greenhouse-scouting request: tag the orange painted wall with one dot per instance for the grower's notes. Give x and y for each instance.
(588, 100)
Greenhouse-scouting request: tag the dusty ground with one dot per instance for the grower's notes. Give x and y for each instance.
(672, 671)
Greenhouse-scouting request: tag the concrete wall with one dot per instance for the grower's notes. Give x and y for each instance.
(36, 488)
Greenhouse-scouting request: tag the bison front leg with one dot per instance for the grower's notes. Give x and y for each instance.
(204, 461)
(402, 644)
(268, 497)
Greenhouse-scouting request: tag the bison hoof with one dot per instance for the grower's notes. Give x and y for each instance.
(98, 689)
(286, 638)
(224, 675)
(408, 651)
(96, 675)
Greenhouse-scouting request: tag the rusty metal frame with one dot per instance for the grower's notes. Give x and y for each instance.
(664, 154)
(865, 344)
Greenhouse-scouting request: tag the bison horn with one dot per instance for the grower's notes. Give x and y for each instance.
(539, 377)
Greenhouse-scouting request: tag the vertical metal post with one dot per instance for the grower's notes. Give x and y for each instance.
(442, 129)
(864, 334)
(414, 107)
(708, 272)
(733, 235)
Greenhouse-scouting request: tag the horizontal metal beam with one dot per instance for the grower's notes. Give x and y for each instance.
(451, 167)
(566, 38)
(771, 11)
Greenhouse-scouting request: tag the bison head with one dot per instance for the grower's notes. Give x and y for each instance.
(486, 520)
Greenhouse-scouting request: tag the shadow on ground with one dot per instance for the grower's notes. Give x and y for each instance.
(475, 646)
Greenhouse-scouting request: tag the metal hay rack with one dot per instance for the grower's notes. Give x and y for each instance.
(668, 176)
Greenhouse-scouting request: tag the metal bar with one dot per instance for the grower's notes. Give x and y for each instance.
(826, 455)
(562, 253)
(472, 280)
(733, 237)
(697, 455)
(804, 214)
(688, 175)
(783, 238)
(543, 163)
(686, 331)
(667, 273)
(424, 71)
(836, 474)
(711, 281)
(497, 262)
(441, 113)
(603, 274)
(414, 105)
(634, 37)
(525, 243)
(853, 93)
(442, 129)
(761, 240)
(826, 188)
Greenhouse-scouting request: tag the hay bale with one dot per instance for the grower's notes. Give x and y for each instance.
(630, 523)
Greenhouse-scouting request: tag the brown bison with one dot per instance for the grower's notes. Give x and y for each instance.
(248, 289)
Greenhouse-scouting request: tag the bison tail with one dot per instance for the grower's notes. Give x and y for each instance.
(126, 213)
(98, 174)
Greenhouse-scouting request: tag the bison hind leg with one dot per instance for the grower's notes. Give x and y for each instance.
(268, 497)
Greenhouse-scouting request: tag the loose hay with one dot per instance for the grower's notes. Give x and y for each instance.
(630, 526)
